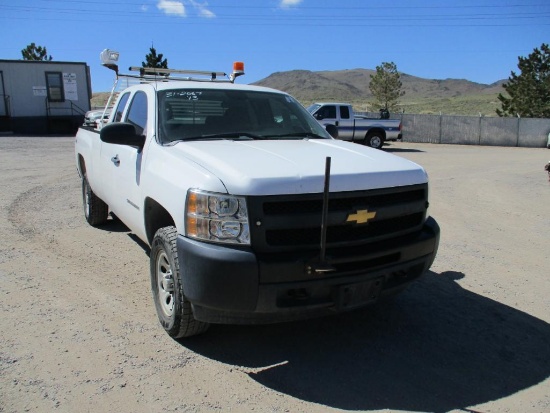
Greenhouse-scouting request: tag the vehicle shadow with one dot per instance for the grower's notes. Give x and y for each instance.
(113, 224)
(436, 347)
(388, 148)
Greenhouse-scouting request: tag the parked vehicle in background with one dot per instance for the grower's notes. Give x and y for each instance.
(92, 117)
(360, 129)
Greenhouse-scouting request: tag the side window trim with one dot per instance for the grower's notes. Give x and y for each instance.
(117, 117)
(344, 112)
(331, 112)
(137, 112)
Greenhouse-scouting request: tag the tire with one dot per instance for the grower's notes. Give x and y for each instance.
(374, 140)
(173, 309)
(95, 210)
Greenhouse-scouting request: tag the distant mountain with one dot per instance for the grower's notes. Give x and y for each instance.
(450, 96)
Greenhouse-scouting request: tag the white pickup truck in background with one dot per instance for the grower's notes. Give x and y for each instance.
(372, 132)
(252, 211)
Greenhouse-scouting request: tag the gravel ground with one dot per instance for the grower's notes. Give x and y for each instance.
(79, 331)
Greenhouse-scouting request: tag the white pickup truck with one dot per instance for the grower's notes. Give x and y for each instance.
(355, 128)
(252, 211)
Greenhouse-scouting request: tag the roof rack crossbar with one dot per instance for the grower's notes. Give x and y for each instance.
(160, 71)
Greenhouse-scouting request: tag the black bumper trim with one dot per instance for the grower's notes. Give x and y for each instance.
(224, 285)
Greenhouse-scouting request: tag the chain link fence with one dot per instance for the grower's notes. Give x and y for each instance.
(472, 130)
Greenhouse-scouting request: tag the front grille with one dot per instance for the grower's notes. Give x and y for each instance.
(343, 233)
(293, 222)
(345, 203)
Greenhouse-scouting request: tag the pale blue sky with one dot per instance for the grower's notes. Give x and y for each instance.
(464, 39)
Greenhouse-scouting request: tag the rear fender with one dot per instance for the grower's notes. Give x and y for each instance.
(373, 131)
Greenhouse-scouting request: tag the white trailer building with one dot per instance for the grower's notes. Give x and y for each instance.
(43, 97)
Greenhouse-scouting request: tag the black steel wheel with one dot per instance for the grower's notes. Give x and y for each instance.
(173, 309)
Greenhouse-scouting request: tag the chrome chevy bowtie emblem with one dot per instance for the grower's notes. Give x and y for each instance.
(362, 216)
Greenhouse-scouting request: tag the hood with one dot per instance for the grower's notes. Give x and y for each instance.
(275, 167)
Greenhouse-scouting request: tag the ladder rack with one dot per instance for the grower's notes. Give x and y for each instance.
(156, 74)
(109, 59)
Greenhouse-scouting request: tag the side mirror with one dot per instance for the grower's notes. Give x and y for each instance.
(121, 133)
(332, 130)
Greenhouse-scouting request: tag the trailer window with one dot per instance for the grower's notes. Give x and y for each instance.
(54, 85)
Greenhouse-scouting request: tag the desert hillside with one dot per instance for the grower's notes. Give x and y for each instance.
(448, 96)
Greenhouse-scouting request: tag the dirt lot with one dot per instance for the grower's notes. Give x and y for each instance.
(79, 331)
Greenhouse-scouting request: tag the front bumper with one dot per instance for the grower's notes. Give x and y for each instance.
(238, 286)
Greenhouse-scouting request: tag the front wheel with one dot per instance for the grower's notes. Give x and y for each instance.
(374, 140)
(173, 309)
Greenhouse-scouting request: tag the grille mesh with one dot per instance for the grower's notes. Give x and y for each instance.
(292, 222)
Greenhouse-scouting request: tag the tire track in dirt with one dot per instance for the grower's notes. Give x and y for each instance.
(72, 304)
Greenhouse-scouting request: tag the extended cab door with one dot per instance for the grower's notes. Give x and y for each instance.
(107, 153)
(125, 166)
(346, 127)
(331, 115)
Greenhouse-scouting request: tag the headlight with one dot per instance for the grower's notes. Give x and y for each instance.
(217, 217)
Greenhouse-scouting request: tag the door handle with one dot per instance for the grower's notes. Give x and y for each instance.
(115, 160)
(336, 123)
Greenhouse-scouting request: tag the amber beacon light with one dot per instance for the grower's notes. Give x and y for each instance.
(238, 70)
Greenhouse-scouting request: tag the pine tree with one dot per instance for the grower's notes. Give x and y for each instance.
(385, 86)
(33, 52)
(529, 92)
(154, 60)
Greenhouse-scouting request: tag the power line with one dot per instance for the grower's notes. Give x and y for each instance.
(316, 7)
(519, 19)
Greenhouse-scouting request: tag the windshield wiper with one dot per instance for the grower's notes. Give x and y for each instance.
(234, 135)
(219, 136)
(298, 135)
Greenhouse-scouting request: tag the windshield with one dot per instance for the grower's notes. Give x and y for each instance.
(313, 108)
(194, 114)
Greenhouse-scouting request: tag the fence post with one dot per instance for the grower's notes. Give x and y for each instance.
(440, 126)
(517, 132)
(479, 135)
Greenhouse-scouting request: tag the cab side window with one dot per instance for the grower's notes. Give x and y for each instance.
(344, 112)
(137, 114)
(120, 107)
(326, 112)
